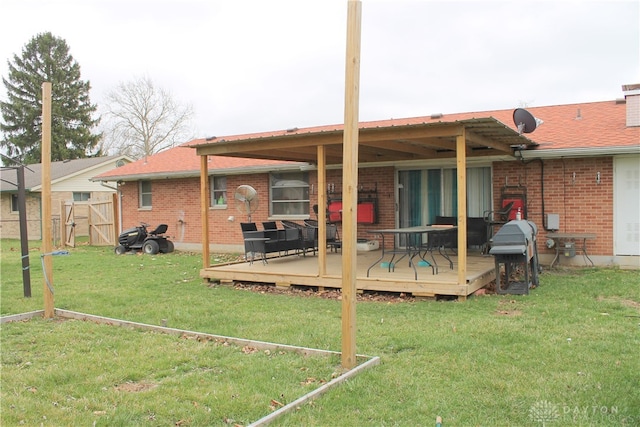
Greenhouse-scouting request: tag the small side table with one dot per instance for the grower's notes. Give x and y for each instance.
(252, 244)
(558, 238)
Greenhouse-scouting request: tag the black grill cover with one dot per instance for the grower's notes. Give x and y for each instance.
(514, 237)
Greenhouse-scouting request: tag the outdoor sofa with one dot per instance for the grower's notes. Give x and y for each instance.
(275, 240)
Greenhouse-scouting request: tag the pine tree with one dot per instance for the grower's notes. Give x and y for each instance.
(46, 58)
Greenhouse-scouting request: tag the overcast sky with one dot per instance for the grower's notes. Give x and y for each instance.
(256, 65)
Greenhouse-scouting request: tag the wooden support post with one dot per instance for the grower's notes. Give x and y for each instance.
(322, 211)
(47, 244)
(204, 209)
(461, 164)
(350, 185)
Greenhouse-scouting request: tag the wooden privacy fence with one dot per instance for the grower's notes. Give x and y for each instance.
(102, 218)
(103, 222)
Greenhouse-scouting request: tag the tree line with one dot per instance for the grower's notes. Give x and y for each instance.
(140, 119)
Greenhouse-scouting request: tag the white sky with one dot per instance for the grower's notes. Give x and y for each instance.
(257, 65)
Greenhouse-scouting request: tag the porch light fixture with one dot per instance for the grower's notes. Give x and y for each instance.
(517, 151)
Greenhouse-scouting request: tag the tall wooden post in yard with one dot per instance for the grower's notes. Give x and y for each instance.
(350, 185)
(47, 243)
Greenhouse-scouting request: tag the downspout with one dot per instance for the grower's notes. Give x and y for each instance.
(544, 219)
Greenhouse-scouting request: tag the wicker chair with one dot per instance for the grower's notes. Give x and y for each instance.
(333, 240)
(308, 235)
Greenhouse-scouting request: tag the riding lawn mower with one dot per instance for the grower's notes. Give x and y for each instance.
(150, 242)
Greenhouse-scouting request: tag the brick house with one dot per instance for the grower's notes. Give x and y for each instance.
(70, 181)
(582, 169)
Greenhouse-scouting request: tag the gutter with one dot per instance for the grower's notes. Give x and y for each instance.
(579, 152)
(196, 173)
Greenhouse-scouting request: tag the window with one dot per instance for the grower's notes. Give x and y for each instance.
(81, 196)
(289, 194)
(218, 185)
(145, 194)
(14, 203)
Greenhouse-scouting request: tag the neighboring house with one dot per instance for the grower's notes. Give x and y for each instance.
(70, 181)
(584, 167)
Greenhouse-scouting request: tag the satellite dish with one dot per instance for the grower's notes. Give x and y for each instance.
(525, 121)
(246, 200)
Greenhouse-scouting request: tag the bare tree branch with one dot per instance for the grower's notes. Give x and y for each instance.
(142, 119)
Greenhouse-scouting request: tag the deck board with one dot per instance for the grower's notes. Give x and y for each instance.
(301, 270)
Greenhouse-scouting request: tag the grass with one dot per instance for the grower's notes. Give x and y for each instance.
(79, 373)
(567, 354)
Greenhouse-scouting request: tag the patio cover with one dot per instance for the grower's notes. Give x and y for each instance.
(381, 141)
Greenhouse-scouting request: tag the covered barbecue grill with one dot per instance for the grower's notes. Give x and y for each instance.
(514, 246)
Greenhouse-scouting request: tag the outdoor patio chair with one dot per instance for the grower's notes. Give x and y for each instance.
(308, 235)
(248, 226)
(269, 225)
(333, 240)
(440, 241)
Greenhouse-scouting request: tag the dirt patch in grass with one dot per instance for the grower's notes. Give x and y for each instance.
(135, 387)
(506, 308)
(624, 302)
(509, 312)
(630, 303)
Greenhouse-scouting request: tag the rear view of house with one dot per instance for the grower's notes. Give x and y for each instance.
(579, 173)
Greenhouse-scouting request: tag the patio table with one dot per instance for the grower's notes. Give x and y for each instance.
(413, 246)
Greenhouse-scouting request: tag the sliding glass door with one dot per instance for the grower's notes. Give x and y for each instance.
(424, 194)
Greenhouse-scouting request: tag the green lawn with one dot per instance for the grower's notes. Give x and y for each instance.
(567, 354)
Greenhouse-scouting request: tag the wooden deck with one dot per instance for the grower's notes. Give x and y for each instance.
(298, 270)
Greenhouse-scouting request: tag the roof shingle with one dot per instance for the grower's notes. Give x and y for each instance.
(570, 126)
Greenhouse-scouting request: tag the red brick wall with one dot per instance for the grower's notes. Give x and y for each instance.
(583, 205)
(369, 179)
(176, 202)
